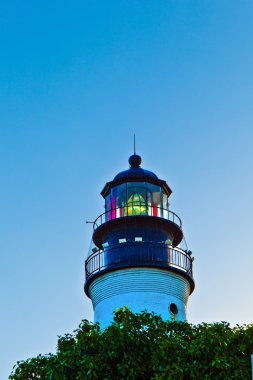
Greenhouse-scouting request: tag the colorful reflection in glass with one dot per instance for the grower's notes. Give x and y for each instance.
(136, 205)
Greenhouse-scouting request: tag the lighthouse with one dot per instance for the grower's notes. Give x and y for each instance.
(135, 257)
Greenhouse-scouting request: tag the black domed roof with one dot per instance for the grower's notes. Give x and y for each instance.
(135, 173)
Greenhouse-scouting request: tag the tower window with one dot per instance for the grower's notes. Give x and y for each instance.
(138, 239)
(173, 309)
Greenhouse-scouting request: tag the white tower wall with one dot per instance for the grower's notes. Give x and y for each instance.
(150, 289)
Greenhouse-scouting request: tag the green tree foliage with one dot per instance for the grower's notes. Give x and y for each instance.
(143, 346)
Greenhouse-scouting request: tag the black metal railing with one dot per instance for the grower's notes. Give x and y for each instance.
(138, 254)
(135, 209)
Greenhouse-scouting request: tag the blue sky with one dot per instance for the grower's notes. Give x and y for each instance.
(77, 80)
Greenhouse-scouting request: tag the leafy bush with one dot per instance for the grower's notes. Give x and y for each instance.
(143, 346)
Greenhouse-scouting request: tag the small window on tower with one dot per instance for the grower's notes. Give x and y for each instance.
(122, 240)
(138, 239)
(174, 310)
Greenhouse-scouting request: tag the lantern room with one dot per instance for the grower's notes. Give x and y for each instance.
(136, 198)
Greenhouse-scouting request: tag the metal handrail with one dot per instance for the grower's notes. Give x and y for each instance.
(128, 210)
(148, 255)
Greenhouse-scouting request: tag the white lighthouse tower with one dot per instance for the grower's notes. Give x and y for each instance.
(135, 259)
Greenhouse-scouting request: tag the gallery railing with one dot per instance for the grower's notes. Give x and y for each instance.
(136, 209)
(138, 254)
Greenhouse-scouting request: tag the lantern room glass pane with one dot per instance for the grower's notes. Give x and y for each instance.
(165, 206)
(118, 195)
(154, 200)
(107, 207)
(136, 199)
(115, 202)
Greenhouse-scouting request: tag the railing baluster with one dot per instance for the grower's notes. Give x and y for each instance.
(98, 269)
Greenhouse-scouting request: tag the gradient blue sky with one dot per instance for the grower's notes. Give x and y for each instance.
(77, 79)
